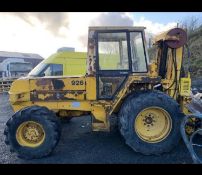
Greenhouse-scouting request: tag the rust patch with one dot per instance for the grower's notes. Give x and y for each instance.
(58, 84)
(51, 84)
(54, 95)
(44, 82)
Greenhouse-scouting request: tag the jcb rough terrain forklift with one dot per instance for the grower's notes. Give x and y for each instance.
(148, 99)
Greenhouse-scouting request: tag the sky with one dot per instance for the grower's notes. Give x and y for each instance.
(45, 32)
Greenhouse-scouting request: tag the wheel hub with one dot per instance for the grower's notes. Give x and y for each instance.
(148, 120)
(153, 124)
(30, 134)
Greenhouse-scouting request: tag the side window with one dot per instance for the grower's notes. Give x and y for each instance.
(57, 69)
(53, 70)
(137, 52)
(47, 71)
(113, 51)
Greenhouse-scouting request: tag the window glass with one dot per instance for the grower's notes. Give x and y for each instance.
(57, 69)
(109, 85)
(36, 71)
(137, 52)
(52, 70)
(113, 51)
(47, 71)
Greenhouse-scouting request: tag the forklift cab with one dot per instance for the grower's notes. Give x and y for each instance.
(119, 52)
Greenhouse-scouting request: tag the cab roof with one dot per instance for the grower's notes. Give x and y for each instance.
(130, 28)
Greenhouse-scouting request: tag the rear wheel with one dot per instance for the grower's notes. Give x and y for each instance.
(150, 122)
(33, 132)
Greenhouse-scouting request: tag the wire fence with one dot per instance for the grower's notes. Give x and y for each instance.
(5, 85)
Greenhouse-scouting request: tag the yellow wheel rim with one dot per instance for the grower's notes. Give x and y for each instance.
(153, 124)
(30, 134)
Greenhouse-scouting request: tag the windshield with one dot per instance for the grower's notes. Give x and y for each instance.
(115, 50)
(37, 70)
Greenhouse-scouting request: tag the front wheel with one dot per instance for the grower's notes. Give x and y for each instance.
(32, 132)
(150, 122)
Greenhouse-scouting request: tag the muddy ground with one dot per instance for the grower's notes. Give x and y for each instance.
(79, 145)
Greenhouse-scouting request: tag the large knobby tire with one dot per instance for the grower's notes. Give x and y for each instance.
(136, 105)
(42, 120)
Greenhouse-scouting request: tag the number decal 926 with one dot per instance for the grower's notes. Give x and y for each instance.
(77, 82)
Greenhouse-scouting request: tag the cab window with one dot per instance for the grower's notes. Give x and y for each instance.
(113, 51)
(137, 52)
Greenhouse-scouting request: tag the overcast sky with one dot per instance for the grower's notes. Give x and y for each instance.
(44, 33)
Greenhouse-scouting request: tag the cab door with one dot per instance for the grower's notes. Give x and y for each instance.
(112, 62)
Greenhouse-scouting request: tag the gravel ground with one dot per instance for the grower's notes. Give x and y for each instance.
(79, 145)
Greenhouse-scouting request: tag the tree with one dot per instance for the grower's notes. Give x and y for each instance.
(190, 23)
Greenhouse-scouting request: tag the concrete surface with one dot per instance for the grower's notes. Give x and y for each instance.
(79, 145)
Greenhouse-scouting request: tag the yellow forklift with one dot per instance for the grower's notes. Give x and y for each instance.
(149, 100)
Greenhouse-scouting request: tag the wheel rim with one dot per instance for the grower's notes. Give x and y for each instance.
(30, 134)
(153, 124)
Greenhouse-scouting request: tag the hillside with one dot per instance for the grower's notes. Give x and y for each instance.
(195, 46)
